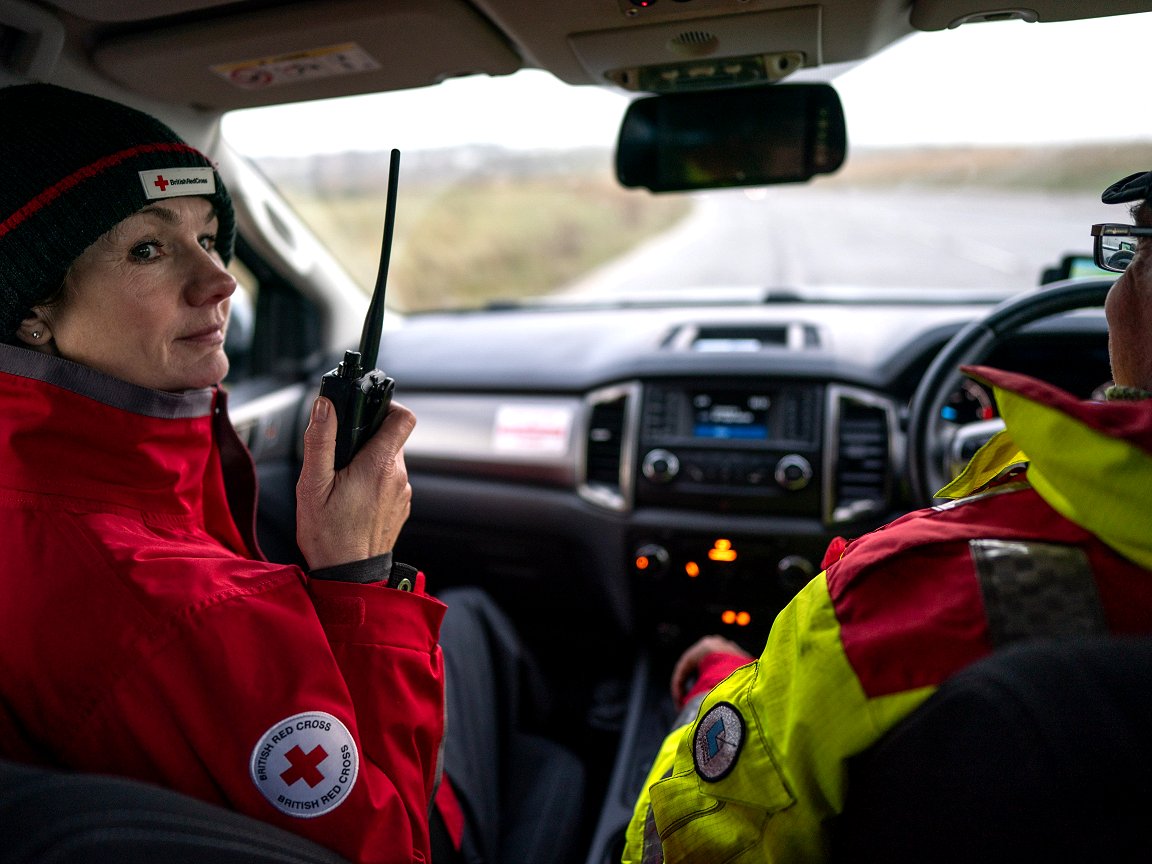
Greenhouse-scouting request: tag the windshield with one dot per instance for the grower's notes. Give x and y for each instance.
(976, 160)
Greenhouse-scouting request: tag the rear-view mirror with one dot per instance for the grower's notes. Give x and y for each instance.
(1075, 267)
(752, 136)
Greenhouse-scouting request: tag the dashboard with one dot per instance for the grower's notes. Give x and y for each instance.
(671, 472)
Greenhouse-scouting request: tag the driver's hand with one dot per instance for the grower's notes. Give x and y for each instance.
(358, 511)
(688, 666)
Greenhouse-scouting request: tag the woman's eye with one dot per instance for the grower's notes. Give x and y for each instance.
(145, 251)
(208, 242)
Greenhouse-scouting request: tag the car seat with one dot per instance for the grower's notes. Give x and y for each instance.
(65, 818)
(55, 816)
(1040, 752)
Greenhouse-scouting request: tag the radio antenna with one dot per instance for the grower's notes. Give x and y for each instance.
(374, 323)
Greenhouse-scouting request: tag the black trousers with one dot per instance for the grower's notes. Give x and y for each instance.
(491, 688)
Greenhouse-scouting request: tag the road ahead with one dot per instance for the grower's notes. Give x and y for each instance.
(797, 237)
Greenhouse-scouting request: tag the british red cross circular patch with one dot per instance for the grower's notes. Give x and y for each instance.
(306, 764)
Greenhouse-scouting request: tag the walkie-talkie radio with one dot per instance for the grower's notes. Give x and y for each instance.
(361, 398)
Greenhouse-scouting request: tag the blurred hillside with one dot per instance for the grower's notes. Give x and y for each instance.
(1081, 168)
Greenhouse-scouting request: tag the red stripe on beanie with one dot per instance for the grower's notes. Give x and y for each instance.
(56, 190)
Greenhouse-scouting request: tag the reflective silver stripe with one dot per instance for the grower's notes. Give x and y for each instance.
(652, 851)
(986, 493)
(1035, 590)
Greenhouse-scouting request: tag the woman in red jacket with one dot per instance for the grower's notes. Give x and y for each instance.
(144, 633)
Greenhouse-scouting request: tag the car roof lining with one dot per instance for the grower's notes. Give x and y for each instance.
(215, 55)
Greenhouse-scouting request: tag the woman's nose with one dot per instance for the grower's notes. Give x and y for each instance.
(210, 283)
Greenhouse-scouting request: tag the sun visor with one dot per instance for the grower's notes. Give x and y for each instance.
(948, 14)
(307, 51)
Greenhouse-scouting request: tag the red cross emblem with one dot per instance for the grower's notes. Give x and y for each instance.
(303, 766)
(161, 182)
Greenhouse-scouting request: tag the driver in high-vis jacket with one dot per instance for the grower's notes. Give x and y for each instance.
(1045, 536)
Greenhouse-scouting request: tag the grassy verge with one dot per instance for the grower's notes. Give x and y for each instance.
(489, 239)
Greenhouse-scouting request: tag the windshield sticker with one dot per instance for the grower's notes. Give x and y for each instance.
(174, 182)
(344, 59)
(531, 429)
(717, 741)
(306, 764)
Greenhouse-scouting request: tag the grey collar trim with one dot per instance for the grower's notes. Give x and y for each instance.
(80, 379)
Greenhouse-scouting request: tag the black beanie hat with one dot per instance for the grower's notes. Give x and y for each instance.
(1134, 187)
(73, 167)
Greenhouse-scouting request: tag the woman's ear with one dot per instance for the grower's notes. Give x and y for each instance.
(35, 331)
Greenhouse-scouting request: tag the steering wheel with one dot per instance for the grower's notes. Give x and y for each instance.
(935, 446)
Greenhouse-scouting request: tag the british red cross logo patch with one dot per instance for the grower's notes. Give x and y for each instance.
(177, 180)
(306, 764)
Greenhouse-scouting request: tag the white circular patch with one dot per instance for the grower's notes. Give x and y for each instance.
(306, 764)
(717, 741)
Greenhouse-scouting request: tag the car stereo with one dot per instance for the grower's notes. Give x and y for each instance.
(737, 447)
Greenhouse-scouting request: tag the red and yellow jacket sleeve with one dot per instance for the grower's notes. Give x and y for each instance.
(758, 772)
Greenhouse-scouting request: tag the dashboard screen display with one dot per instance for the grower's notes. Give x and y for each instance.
(730, 415)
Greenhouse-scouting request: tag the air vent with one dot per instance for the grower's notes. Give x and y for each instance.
(606, 429)
(609, 445)
(860, 452)
(739, 338)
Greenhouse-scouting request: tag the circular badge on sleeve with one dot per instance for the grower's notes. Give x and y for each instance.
(717, 741)
(306, 764)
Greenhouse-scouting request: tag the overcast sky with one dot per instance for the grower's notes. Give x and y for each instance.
(1070, 83)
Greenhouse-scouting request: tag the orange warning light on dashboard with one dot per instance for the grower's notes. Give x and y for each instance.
(740, 619)
(692, 569)
(642, 562)
(722, 551)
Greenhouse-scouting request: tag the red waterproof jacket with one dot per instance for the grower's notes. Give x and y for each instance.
(145, 636)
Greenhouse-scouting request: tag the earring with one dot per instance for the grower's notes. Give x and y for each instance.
(35, 334)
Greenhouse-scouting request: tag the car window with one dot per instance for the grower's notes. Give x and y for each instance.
(241, 322)
(980, 173)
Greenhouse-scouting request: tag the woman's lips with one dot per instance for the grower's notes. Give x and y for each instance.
(207, 335)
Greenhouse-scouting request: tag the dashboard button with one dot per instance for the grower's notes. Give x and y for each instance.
(651, 559)
(794, 572)
(756, 473)
(793, 472)
(660, 466)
